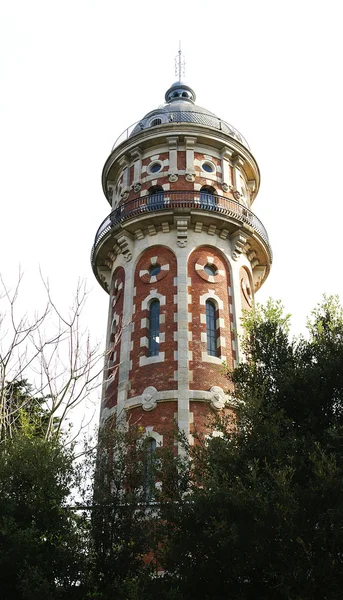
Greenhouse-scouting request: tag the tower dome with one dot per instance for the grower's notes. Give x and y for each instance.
(180, 107)
(181, 255)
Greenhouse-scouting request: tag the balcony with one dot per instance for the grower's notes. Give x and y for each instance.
(180, 202)
(170, 117)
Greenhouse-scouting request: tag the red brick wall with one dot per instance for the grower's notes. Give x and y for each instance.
(181, 184)
(160, 374)
(207, 374)
(162, 418)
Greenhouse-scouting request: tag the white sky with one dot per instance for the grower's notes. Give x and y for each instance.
(76, 73)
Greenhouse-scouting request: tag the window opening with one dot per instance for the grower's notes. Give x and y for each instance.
(154, 270)
(206, 166)
(149, 470)
(155, 167)
(155, 122)
(210, 270)
(156, 198)
(207, 199)
(154, 328)
(211, 329)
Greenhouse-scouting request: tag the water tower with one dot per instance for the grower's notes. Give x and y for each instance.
(180, 255)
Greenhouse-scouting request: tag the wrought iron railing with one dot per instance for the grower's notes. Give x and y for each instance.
(181, 201)
(180, 116)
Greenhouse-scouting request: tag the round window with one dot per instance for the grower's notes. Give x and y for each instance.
(154, 270)
(208, 167)
(210, 269)
(155, 167)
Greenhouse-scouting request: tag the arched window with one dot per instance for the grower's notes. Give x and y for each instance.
(156, 197)
(154, 328)
(155, 122)
(211, 329)
(149, 481)
(207, 199)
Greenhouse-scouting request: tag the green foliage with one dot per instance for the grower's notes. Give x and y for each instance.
(253, 511)
(40, 540)
(264, 508)
(22, 411)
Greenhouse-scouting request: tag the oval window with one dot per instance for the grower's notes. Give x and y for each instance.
(155, 167)
(208, 167)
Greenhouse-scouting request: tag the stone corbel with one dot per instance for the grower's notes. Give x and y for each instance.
(105, 276)
(182, 230)
(239, 242)
(238, 163)
(136, 155)
(190, 172)
(173, 174)
(252, 186)
(225, 155)
(259, 273)
(124, 162)
(110, 191)
(124, 247)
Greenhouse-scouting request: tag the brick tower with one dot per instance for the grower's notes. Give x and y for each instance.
(180, 255)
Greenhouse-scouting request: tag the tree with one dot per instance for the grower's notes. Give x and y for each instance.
(54, 352)
(41, 537)
(264, 511)
(120, 555)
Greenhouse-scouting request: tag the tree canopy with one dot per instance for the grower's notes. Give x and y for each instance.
(254, 510)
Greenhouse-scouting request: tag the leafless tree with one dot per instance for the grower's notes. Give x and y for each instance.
(53, 352)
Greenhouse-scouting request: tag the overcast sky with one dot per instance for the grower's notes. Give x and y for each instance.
(76, 73)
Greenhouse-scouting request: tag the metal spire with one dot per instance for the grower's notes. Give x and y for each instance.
(180, 64)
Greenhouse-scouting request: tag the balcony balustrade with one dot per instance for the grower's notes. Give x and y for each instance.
(180, 201)
(180, 116)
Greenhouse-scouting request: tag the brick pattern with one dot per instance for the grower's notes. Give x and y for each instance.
(146, 266)
(160, 374)
(161, 419)
(202, 418)
(117, 302)
(205, 374)
(161, 177)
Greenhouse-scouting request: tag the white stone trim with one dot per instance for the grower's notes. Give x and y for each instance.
(144, 341)
(211, 295)
(164, 396)
(154, 295)
(212, 359)
(148, 360)
(183, 318)
(149, 432)
(206, 396)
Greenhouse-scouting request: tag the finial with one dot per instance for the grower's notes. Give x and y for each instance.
(180, 64)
